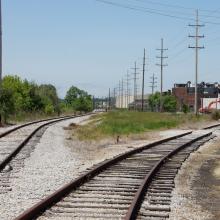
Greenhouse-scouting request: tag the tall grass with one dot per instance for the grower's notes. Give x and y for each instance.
(126, 122)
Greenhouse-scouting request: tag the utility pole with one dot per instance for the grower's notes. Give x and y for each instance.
(135, 83)
(196, 47)
(109, 99)
(128, 79)
(122, 93)
(93, 102)
(162, 65)
(119, 95)
(0, 50)
(114, 100)
(153, 83)
(142, 99)
(0, 42)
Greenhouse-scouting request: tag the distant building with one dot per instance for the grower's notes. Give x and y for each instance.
(123, 101)
(185, 93)
(137, 103)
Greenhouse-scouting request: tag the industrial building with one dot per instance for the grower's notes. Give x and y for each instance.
(185, 94)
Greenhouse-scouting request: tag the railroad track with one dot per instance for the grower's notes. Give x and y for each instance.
(17, 144)
(134, 185)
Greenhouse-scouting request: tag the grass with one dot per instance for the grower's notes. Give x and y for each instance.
(23, 117)
(121, 123)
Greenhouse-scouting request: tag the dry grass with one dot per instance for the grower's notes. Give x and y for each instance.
(124, 123)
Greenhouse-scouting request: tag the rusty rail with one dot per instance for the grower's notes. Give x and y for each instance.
(46, 203)
(18, 149)
(211, 126)
(135, 205)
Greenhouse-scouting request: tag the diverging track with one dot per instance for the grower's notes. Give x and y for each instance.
(137, 184)
(17, 144)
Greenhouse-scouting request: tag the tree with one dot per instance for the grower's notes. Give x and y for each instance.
(78, 100)
(169, 103)
(15, 85)
(49, 98)
(29, 97)
(6, 103)
(72, 95)
(154, 101)
(185, 108)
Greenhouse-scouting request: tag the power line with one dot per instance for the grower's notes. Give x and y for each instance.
(172, 5)
(209, 15)
(176, 55)
(136, 8)
(151, 11)
(180, 42)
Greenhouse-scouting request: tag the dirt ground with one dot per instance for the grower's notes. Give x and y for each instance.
(197, 192)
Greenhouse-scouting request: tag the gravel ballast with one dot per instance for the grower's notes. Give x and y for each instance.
(197, 185)
(57, 160)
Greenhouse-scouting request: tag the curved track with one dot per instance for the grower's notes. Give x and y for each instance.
(17, 144)
(119, 188)
(13, 140)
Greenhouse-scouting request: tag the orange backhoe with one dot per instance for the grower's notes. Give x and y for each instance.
(209, 109)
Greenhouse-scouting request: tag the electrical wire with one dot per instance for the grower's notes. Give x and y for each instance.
(151, 11)
(179, 43)
(172, 5)
(209, 15)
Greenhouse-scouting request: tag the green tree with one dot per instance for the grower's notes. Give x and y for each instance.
(72, 95)
(49, 98)
(154, 101)
(169, 103)
(15, 85)
(185, 108)
(6, 104)
(78, 100)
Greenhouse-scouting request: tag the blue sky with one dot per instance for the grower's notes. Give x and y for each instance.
(92, 45)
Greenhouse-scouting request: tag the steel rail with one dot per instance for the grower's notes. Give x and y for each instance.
(25, 141)
(27, 124)
(211, 126)
(136, 203)
(46, 203)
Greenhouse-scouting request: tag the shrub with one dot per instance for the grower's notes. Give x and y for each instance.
(169, 103)
(49, 109)
(216, 115)
(7, 106)
(185, 108)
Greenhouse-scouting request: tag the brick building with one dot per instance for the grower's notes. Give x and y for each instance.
(185, 93)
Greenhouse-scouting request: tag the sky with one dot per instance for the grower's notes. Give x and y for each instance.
(91, 44)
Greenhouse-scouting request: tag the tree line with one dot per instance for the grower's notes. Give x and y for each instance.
(169, 103)
(19, 97)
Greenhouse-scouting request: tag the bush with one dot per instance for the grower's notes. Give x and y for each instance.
(185, 108)
(169, 103)
(7, 106)
(216, 115)
(78, 100)
(49, 109)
